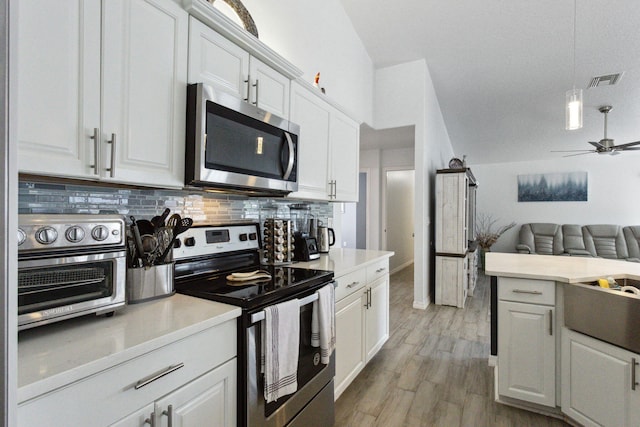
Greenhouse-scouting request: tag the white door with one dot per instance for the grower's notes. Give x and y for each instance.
(269, 89)
(216, 61)
(209, 401)
(312, 114)
(144, 97)
(399, 216)
(377, 315)
(350, 356)
(58, 86)
(526, 352)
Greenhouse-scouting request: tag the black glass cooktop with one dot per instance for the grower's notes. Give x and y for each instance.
(285, 281)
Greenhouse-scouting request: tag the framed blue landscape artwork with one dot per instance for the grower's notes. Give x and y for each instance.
(553, 187)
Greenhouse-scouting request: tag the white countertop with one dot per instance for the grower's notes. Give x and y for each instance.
(343, 260)
(54, 355)
(568, 269)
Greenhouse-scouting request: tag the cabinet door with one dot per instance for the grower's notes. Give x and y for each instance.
(344, 140)
(144, 94)
(451, 213)
(269, 89)
(377, 316)
(526, 352)
(312, 114)
(596, 385)
(350, 355)
(58, 86)
(451, 280)
(209, 401)
(137, 419)
(216, 61)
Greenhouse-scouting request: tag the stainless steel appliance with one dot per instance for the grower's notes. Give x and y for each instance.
(206, 257)
(234, 145)
(324, 242)
(68, 266)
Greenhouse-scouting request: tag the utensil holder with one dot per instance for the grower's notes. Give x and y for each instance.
(145, 284)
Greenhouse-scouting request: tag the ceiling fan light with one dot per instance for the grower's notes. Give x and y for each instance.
(573, 109)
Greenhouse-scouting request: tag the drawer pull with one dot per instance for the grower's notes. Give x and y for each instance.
(634, 381)
(169, 414)
(352, 284)
(151, 420)
(146, 381)
(523, 291)
(380, 270)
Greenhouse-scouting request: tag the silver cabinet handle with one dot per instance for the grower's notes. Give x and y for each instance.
(352, 284)
(522, 291)
(151, 420)
(96, 150)
(169, 414)
(634, 381)
(292, 156)
(112, 168)
(335, 188)
(332, 189)
(248, 82)
(151, 378)
(256, 86)
(380, 270)
(550, 322)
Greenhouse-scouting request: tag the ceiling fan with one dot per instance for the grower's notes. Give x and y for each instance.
(605, 145)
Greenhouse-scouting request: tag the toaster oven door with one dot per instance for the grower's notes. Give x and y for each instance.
(57, 288)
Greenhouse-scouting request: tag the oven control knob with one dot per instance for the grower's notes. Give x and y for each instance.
(190, 241)
(46, 235)
(22, 236)
(100, 233)
(74, 234)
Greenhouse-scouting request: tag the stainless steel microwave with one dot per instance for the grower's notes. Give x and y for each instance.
(233, 145)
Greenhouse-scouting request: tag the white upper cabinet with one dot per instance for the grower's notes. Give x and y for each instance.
(329, 144)
(57, 81)
(218, 62)
(109, 108)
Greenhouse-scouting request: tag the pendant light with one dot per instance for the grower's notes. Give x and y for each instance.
(573, 115)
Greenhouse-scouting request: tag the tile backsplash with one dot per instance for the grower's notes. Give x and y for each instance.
(202, 206)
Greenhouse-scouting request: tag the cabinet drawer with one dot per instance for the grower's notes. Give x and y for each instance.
(377, 270)
(349, 283)
(105, 397)
(527, 290)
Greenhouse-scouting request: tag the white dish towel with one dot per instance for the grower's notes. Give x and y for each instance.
(323, 323)
(281, 339)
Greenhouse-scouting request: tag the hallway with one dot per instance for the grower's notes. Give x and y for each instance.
(433, 370)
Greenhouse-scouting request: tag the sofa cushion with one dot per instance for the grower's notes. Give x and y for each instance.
(632, 238)
(540, 238)
(605, 240)
(573, 240)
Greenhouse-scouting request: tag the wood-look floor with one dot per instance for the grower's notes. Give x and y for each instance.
(433, 370)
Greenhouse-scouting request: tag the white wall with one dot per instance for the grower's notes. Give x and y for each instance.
(404, 95)
(318, 37)
(613, 183)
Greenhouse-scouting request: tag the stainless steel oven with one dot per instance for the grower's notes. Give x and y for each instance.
(68, 266)
(233, 145)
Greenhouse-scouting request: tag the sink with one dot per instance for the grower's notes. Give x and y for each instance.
(606, 314)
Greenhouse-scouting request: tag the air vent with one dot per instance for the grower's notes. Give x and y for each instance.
(608, 80)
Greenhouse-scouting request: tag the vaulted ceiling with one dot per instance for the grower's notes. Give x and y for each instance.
(501, 68)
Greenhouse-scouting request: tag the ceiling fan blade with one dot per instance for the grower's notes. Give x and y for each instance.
(596, 144)
(580, 154)
(570, 151)
(628, 144)
(627, 148)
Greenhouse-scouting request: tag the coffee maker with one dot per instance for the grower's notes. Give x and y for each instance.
(306, 246)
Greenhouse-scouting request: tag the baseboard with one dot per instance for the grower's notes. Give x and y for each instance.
(493, 360)
(420, 305)
(401, 267)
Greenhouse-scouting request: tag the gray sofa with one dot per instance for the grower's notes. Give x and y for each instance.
(597, 240)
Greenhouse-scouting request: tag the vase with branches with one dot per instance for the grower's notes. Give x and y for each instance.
(488, 232)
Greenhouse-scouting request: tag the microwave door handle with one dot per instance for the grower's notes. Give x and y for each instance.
(291, 156)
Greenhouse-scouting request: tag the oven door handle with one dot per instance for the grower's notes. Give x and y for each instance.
(259, 316)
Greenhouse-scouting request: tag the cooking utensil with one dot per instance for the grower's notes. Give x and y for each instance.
(179, 228)
(158, 221)
(173, 220)
(145, 227)
(137, 240)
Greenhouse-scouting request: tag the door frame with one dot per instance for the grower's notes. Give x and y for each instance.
(367, 172)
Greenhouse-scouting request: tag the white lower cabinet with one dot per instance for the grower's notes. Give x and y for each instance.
(452, 278)
(527, 341)
(597, 382)
(362, 320)
(189, 382)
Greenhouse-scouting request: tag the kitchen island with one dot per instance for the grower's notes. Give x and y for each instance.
(555, 354)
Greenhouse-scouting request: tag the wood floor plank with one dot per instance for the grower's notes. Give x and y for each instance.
(433, 370)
